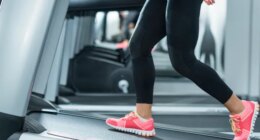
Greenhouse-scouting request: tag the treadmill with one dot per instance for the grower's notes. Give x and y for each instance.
(180, 118)
(25, 53)
(210, 116)
(202, 117)
(90, 99)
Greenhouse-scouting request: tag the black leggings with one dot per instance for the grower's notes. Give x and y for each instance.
(179, 20)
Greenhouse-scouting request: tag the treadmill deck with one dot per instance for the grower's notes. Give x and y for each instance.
(90, 128)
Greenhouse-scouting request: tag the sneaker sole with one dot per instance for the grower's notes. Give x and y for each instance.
(256, 111)
(135, 131)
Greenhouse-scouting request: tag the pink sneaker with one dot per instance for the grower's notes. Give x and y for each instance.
(133, 124)
(243, 124)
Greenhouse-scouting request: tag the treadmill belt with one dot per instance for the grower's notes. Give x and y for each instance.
(209, 122)
(117, 99)
(85, 128)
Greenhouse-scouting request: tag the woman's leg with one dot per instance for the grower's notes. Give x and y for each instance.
(182, 31)
(149, 30)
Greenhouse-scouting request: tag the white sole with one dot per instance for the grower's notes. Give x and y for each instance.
(256, 111)
(135, 131)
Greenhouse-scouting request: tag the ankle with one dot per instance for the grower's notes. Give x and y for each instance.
(144, 110)
(237, 111)
(142, 115)
(234, 105)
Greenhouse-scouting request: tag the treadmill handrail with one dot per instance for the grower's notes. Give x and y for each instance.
(95, 5)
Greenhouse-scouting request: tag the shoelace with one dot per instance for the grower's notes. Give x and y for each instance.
(128, 116)
(235, 121)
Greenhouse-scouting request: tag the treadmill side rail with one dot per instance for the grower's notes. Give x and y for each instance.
(23, 29)
(23, 25)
